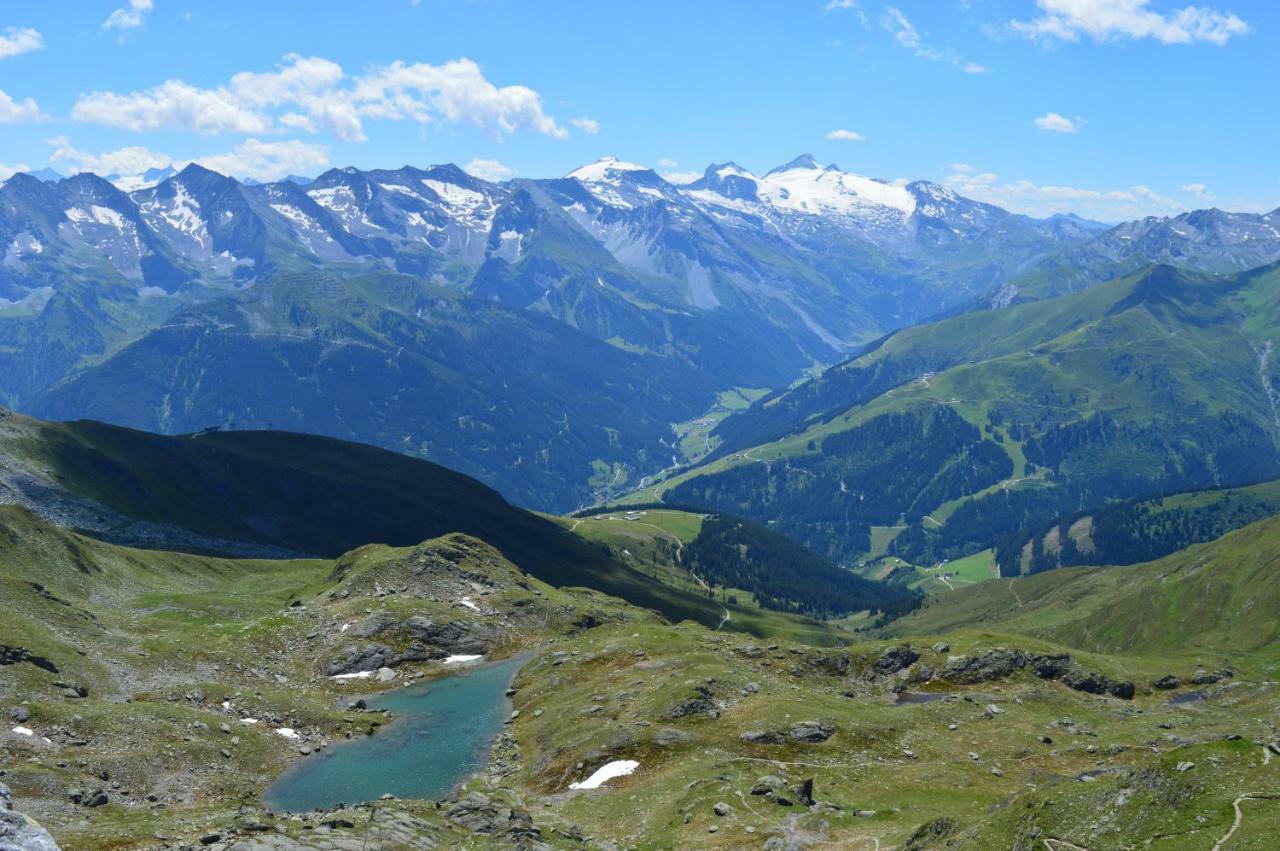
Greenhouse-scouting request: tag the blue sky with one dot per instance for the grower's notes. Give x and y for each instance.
(1108, 108)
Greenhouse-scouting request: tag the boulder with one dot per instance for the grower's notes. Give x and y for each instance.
(18, 832)
(810, 731)
(896, 659)
(993, 665)
(1168, 681)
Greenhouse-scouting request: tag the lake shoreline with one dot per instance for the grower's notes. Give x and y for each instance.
(396, 727)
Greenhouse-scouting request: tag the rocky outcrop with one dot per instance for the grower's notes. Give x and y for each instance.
(896, 659)
(13, 655)
(805, 732)
(701, 704)
(425, 638)
(480, 814)
(1002, 663)
(19, 833)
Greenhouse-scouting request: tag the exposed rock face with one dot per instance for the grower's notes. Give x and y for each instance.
(1206, 678)
(479, 814)
(896, 659)
(1001, 663)
(1168, 681)
(992, 665)
(426, 640)
(13, 655)
(19, 833)
(928, 834)
(701, 704)
(806, 732)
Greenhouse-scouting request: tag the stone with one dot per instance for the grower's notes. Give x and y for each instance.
(942, 647)
(1168, 681)
(811, 731)
(722, 809)
(896, 659)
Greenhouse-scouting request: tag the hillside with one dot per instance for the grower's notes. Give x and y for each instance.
(1219, 597)
(162, 693)
(277, 493)
(429, 311)
(1137, 530)
(388, 360)
(974, 427)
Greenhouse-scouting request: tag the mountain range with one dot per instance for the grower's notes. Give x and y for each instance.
(540, 334)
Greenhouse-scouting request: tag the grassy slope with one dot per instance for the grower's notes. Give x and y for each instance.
(322, 497)
(1160, 348)
(1220, 597)
(158, 626)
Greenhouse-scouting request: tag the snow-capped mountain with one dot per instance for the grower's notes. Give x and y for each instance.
(815, 258)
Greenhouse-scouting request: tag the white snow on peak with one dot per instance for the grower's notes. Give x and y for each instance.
(97, 215)
(455, 196)
(601, 169)
(732, 170)
(831, 191)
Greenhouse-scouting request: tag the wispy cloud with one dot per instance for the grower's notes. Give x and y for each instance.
(129, 17)
(905, 33)
(681, 177)
(1025, 196)
(846, 136)
(16, 41)
(1054, 123)
(251, 158)
(314, 95)
(22, 111)
(587, 125)
(489, 170)
(1108, 20)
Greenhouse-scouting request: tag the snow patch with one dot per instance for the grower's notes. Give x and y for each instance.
(607, 772)
(287, 733)
(459, 658)
(24, 731)
(359, 675)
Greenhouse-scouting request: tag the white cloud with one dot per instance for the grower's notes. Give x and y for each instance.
(315, 95)
(18, 111)
(833, 5)
(1024, 196)
(171, 105)
(898, 25)
(667, 163)
(681, 177)
(1054, 123)
(1199, 190)
(267, 160)
(1106, 20)
(129, 17)
(455, 92)
(489, 170)
(587, 125)
(252, 158)
(17, 41)
(8, 171)
(130, 161)
(846, 136)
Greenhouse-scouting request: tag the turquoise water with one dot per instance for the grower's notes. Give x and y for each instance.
(441, 734)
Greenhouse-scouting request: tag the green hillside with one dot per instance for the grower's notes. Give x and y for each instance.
(1219, 597)
(1137, 530)
(975, 427)
(271, 492)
